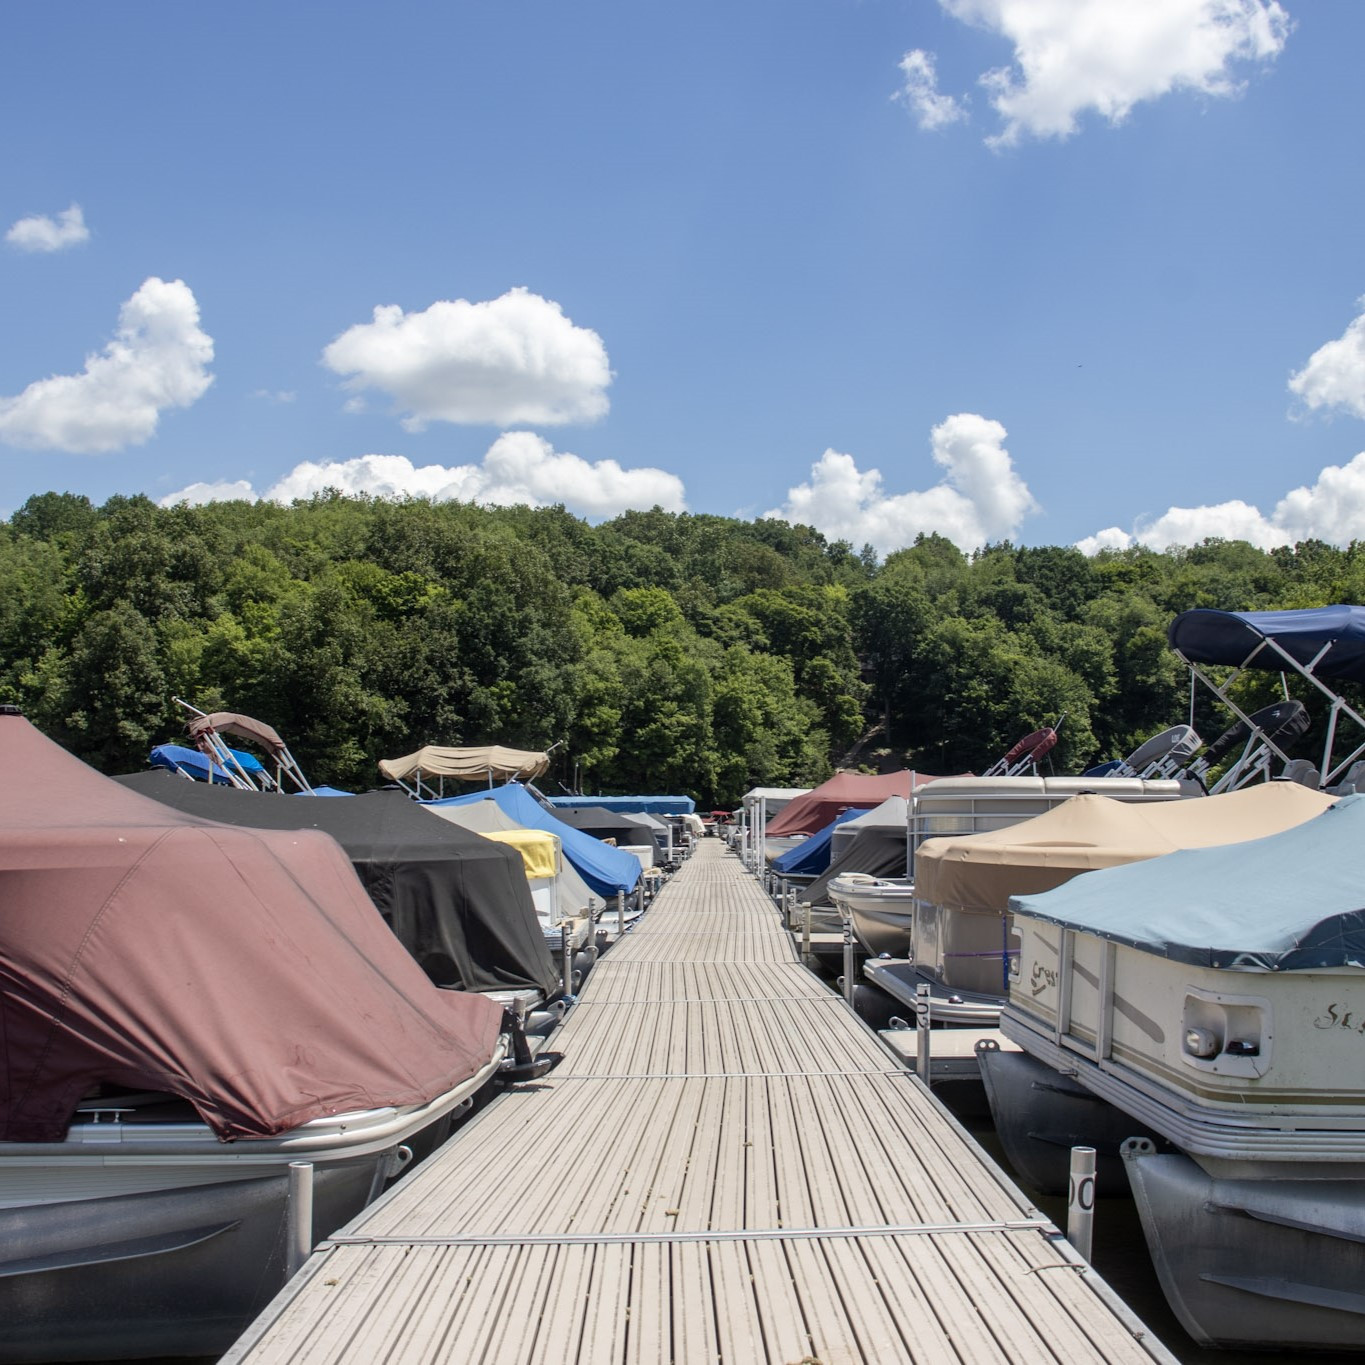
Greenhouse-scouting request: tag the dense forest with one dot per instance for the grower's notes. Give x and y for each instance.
(656, 651)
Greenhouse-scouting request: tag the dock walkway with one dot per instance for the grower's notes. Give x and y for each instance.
(727, 1166)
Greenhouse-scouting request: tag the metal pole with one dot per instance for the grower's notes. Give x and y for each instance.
(805, 933)
(300, 1215)
(923, 1019)
(566, 958)
(621, 914)
(849, 958)
(1080, 1201)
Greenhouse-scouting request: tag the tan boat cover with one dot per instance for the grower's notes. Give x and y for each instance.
(469, 765)
(228, 722)
(982, 871)
(244, 970)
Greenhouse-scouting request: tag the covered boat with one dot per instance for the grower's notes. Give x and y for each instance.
(458, 903)
(843, 791)
(608, 871)
(187, 1007)
(1215, 998)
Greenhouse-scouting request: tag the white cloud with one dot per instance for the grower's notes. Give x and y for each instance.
(980, 499)
(41, 233)
(1334, 376)
(1071, 56)
(222, 491)
(275, 395)
(158, 359)
(920, 92)
(1333, 510)
(519, 468)
(515, 359)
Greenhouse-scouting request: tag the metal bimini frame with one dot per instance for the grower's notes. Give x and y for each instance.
(1161, 756)
(1319, 644)
(1023, 757)
(206, 730)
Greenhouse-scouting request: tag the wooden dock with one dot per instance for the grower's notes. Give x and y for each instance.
(727, 1166)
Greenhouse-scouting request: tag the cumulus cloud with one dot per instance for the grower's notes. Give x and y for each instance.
(519, 468)
(920, 93)
(158, 359)
(1071, 56)
(1334, 376)
(1332, 509)
(512, 360)
(41, 233)
(980, 498)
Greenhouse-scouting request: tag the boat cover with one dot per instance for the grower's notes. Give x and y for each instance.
(481, 764)
(625, 827)
(773, 798)
(811, 856)
(1228, 637)
(982, 871)
(539, 850)
(486, 817)
(843, 791)
(1292, 901)
(606, 870)
(181, 758)
(636, 805)
(873, 842)
(242, 970)
(458, 903)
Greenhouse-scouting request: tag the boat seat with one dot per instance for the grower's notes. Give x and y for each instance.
(1302, 771)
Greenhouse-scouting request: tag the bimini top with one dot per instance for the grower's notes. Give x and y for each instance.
(982, 871)
(483, 764)
(606, 870)
(243, 970)
(1292, 901)
(1233, 637)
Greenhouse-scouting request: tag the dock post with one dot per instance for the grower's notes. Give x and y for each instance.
(805, 934)
(923, 1019)
(640, 895)
(1080, 1201)
(850, 958)
(566, 958)
(299, 1217)
(621, 914)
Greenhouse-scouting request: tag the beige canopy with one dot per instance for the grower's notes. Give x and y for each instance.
(468, 765)
(982, 871)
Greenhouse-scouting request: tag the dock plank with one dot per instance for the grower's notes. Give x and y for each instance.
(726, 1166)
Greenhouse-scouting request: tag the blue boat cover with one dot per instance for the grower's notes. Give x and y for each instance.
(1227, 637)
(629, 805)
(1289, 902)
(181, 758)
(811, 856)
(606, 870)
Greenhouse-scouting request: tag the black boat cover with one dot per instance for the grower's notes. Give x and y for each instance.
(459, 903)
(1293, 901)
(1228, 637)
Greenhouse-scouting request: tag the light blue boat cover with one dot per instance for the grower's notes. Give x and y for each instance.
(629, 805)
(1289, 902)
(606, 870)
(811, 856)
(175, 757)
(1227, 637)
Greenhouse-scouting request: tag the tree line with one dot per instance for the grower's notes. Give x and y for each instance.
(657, 651)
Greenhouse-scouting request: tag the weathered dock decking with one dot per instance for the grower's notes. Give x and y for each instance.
(726, 1166)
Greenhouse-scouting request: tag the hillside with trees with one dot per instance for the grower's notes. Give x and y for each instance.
(659, 651)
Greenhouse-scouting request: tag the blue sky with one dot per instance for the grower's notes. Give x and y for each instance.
(1058, 271)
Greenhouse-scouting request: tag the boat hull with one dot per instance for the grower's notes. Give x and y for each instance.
(1276, 1264)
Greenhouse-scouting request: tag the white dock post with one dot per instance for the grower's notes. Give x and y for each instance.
(923, 1019)
(805, 934)
(566, 958)
(850, 957)
(1080, 1201)
(621, 914)
(300, 1216)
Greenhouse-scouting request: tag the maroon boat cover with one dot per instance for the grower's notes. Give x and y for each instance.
(844, 791)
(244, 970)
